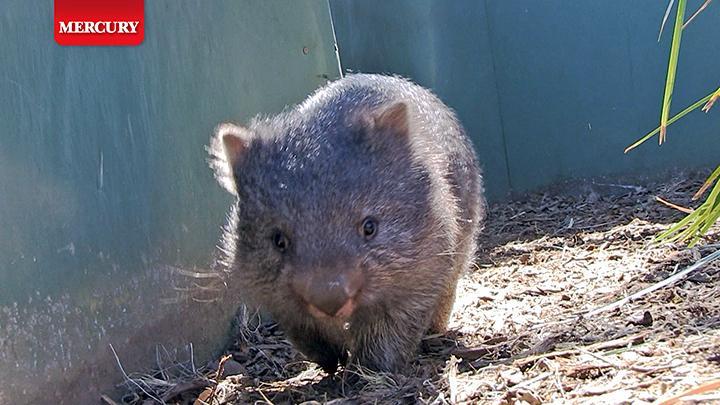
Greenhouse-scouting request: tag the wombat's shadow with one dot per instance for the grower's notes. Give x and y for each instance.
(594, 205)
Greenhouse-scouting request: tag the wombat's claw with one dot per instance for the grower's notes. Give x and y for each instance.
(329, 367)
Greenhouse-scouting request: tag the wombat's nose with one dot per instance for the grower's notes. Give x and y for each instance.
(329, 296)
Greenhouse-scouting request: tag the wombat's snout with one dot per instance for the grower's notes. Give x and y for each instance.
(329, 295)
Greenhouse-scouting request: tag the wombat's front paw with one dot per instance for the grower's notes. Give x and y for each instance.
(318, 350)
(329, 359)
(380, 362)
(328, 363)
(384, 355)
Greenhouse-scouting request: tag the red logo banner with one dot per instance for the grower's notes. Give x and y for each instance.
(99, 22)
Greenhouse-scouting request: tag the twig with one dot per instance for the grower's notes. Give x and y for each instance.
(675, 206)
(664, 283)
(531, 381)
(264, 397)
(611, 344)
(107, 400)
(602, 358)
(451, 370)
(637, 189)
(707, 387)
(620, 366)
(702, 398)
(127, 378)
(192, 359)
(158, 361)
(218, 377)
(585, 369)
(643, 384)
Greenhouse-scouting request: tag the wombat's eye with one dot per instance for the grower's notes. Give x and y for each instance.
(280, 241)
(368, 229)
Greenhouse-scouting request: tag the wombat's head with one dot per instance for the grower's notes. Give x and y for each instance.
(332, 210)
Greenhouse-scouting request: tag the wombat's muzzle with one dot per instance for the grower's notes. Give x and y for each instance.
(329, 293)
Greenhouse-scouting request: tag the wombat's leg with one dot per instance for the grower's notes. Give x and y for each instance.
(440, 318)
(343, 360)
(464, 260)
(325, 355)
(317, 349)
(388, 344)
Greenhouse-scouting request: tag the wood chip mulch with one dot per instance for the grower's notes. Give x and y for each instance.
(520, 332)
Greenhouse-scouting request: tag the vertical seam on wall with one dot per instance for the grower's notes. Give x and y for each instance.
(335, 43)
(497, 93)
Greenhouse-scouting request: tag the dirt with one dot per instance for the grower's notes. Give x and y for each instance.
(529, 324)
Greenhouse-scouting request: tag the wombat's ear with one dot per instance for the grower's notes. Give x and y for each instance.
(393, 119)
(227, 149)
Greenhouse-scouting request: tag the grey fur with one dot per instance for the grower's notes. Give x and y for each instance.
(315, 172)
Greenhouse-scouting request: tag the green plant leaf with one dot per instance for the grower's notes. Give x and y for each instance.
(665, 17)
(672, 69)
(696, 224)
(700, 10)
(712, 100)
(710, 180)
(681, 114)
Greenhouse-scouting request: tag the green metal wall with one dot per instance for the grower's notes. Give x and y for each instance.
(547, 89)
(104, 188)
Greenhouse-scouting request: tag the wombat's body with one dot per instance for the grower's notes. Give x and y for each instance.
(356, 213)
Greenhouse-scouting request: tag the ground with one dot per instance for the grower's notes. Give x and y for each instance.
(533, 322)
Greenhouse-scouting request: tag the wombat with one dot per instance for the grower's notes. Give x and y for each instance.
(356, 212)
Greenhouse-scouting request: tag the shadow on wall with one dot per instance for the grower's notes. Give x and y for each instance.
(547, 90)
(104, 184)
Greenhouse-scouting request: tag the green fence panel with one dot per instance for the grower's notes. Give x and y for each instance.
(443, 45)
(104, 188)
(581, 80)
(548, 90)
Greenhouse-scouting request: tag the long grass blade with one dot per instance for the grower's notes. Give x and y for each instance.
(710, 180)
(678, 226)
(699, 221)
(665, 18)
(672, 69)
(681, 114)
(695, 14)
(696, 224)
(684, 232)
(708, 221)
(712, 100)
